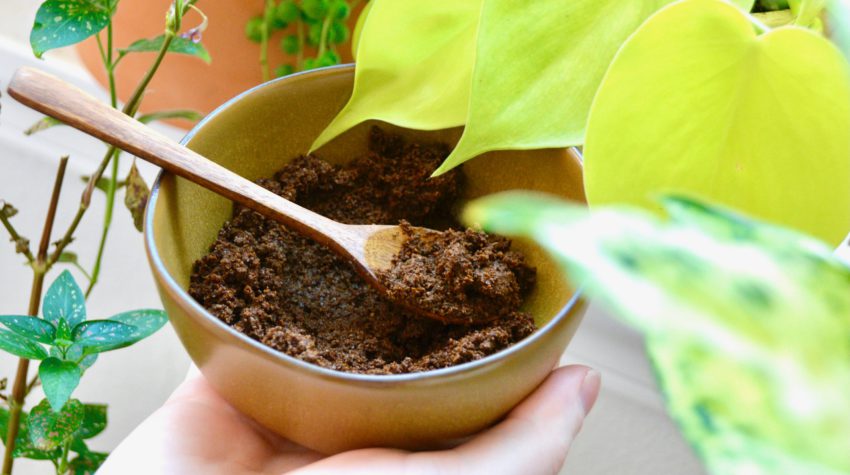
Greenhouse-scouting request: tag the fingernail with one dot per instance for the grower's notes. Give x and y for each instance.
(589, 390)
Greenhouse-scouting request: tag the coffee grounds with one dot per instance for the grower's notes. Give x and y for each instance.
(294, 295)
(460, 276)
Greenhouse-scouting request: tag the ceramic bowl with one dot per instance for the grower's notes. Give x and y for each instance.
(254, 135)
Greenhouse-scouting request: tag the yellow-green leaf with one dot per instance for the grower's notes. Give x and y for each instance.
(414, 66)
(358, 28)
(697, 102)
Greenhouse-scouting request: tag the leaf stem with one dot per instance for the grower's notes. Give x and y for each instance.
(323, 41)
(16, 402)
(62, 468)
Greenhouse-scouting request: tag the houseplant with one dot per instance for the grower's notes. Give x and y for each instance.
(58, 426)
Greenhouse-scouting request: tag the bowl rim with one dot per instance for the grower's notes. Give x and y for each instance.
(165, 278)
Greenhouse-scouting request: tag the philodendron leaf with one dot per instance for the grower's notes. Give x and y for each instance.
(48, 429)
(136, 196)
(58, 379)
(61, 23)
(178, 45)
(755, 122)
(747, 323)
(33, 328)
(98, 336)
(21, 346)
(94, 421)
(412, 70)
(145, 322)
(64, 300)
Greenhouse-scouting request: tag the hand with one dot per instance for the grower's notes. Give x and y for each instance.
(197, 432)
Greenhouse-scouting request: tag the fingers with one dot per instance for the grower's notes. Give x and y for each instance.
(536, 435)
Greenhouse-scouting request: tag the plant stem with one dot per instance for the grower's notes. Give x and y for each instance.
(264, 42)
(17, 238)
(323, 41)
(62, 468)
(16, 402)
(299, 59)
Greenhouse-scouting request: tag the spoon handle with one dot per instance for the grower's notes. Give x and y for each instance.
(60, 100)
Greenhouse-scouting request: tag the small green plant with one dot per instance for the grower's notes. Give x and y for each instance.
(320, 24)
(67, 344)
(745, 322)
(63, 340)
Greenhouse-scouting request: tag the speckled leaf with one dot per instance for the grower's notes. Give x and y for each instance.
(23, 444)
(145, 322)
(74, 353)
(412, 70)
(747, 323)
(64, 300)
(33, 328)
(48, 429)
(61, 23)
(98, 336)
(178, 45)
(87, 463)
(58, 379)
(21, 346)
(755, 122)
(94, 421)
(136, 196)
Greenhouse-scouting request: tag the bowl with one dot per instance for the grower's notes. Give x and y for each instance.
(255, 134)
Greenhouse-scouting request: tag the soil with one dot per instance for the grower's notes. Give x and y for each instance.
(297, 297)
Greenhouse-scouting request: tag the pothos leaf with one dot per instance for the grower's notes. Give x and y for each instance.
(61, 23)
(48, 429)
(136, 196)
(178, 45)
(58, 379)
(20, 346)
(64, 300)
(412, 70)
(754, 122)
(747, 323)
(33, 328)
(537, 69)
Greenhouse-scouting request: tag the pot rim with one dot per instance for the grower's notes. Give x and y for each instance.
(165, 279)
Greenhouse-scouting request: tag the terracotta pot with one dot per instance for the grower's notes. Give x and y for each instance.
(255, 134)
(185, 82)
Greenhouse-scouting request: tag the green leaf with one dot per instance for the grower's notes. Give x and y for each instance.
(48, 429)
(412, 70)
(87, 463)
(61, 23)
(136, 196)
(838, 17)
(178, 45)
(807, 11)
(754, 122)
(58, 379)
(43, 124)
(32, 328)
(287, 12)
(187, 114)
(358, 28)
(23, 445)
(746, 322)
(64, 300)
(145, 322)
(98, 336)
(20, 346)
(536, 72)
(94, 421)
(74, 353)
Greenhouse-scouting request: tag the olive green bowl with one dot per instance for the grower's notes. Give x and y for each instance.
(254, 135)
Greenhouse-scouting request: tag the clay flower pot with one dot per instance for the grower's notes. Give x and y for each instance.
(330, 411)
(185, 82)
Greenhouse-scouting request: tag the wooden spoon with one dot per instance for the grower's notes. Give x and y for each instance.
(371, 248)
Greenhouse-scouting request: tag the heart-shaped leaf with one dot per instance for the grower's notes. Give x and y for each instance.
(33, 328)
(21, 346)
(64, 300)
(145, 322)
(58, 379)
(747, 323)
(61, 23)
(537, 69)
(94, 421)
(178, 45)
(48, 429)
(755, 122)
(412, 70)
(98, 336)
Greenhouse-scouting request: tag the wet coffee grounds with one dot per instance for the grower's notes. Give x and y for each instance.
(294, 295)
